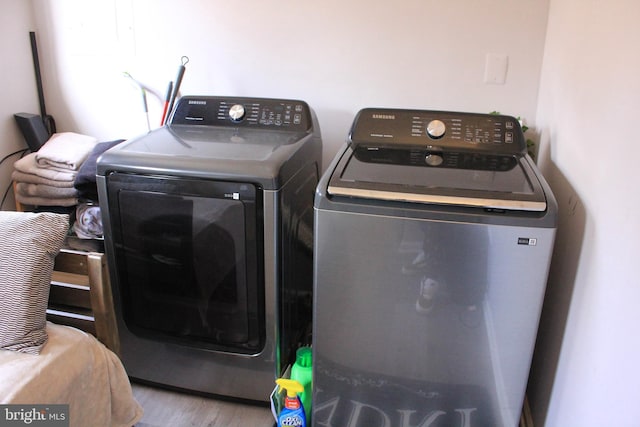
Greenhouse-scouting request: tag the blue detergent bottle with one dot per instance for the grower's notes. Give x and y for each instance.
(292, 414)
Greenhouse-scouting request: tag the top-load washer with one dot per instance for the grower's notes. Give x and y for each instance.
(434, 233)
(209, 238)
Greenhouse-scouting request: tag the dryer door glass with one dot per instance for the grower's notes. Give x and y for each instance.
(188, 260)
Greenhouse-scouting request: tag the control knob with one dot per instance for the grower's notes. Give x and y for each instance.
(436, 129)
(433, 159)
(237, 112)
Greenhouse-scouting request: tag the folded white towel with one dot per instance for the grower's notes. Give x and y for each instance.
(45, 201)
(65, 151)
(27, 178)
(28, 165)
(48, 191)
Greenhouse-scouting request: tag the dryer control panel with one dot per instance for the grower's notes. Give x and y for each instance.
(436, 131)
(263, 113)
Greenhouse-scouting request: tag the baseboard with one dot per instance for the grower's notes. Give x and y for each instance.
(526, 420)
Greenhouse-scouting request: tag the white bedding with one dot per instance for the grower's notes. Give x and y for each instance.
(73, 368)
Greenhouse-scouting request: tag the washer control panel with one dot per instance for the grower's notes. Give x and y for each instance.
(264, 113)
(440, 159)
(437, 131)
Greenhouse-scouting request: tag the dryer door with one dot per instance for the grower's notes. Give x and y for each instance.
(188, 258)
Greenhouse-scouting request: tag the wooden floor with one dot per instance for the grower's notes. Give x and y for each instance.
(169, 408)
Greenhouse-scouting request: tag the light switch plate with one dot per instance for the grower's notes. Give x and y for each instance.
(495, 70)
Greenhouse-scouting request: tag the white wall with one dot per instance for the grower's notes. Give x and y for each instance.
(585, 370)
(339, 56)
(19, 93)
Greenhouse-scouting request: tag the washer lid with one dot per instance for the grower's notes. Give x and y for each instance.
(210, 142)
(497, 182)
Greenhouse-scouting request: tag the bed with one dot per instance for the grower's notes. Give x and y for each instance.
(43, 362)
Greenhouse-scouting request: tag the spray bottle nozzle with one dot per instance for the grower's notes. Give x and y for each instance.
(292, 387)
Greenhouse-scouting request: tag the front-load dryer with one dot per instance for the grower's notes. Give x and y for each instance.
(209, 239)
(434, 232)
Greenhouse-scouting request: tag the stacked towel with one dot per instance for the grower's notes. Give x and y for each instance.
(46, 178)
(65, 151)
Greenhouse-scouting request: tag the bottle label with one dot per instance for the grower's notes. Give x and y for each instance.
(292, 420)
(292, 403)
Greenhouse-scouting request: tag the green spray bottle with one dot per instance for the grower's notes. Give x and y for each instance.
(292, 413)
(302, 371)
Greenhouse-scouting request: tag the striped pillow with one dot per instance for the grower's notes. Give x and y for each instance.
(29, 243)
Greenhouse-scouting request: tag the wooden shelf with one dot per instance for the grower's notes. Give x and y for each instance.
(81, 296)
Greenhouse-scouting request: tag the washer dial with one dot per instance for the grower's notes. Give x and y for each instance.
(436, 129)
(237, 112)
